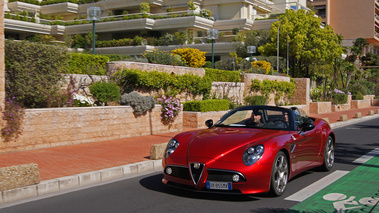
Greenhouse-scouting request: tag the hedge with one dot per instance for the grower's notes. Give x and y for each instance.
(206, 105)
(88, 64)
(172, 84)
(223, 75)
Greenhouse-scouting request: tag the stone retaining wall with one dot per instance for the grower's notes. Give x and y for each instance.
(119, 65)
(320, 107)
(197, 119)
(359, 104)
(43, 128)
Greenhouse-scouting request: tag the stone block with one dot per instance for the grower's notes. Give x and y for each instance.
(89, 178)
(371, 112)
(358, 115)
(377, 111)
(343, 118)
(111, 173)
(12, 177)
(68, 182)
(48, 186)
(157, 151)
(19, 193)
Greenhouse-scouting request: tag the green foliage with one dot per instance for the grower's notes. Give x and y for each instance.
(358, 87)
(171, 84)
(356, 95)
(308, 42)
(34, 72)
(81, 63)
(116, 43)
(140, 104)
(193, 57)
(207, 105)
(223, 75)
(339, 98)
(13, 115)
(256, 100)
(105, 92)
(137, 40)
(144, 7)
(163, 57)
(279, 88)
(191, 5)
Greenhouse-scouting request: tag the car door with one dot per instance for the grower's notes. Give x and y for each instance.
(305, 145)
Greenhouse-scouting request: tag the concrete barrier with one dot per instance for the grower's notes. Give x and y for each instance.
(12, 177)
(371, 112)
(157, 151)
(358, 115)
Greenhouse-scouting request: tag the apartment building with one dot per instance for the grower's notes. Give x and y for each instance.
(226, 16)
(352, 19)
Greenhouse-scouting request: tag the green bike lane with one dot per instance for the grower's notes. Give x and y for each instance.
(357, 191)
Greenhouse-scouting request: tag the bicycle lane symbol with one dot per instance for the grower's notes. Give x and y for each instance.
(341, 202)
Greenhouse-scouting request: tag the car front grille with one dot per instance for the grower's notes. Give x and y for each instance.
(223, 176)
(180, 172)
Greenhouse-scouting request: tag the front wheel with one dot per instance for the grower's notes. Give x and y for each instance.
(279, 175)
(328, 155)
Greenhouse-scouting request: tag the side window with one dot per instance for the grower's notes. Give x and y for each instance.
(298, 119)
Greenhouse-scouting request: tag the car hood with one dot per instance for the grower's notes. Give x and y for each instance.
(218, 142)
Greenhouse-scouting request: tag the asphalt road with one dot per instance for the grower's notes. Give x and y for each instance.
(147, 194)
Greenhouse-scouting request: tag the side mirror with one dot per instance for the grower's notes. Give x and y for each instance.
(307, 126)
(209, 123)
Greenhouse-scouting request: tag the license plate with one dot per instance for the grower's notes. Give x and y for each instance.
(219, 185)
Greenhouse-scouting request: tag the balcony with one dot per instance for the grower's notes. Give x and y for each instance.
(60, 8)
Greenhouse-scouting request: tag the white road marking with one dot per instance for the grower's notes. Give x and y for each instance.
(367, 156)
(316, 186)
(327, 180)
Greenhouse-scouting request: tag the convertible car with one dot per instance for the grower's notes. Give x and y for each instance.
(251, 149)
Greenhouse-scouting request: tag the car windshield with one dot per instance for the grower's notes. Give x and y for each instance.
(276, 118)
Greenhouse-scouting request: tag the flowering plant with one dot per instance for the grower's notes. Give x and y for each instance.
(13, 115)
(170, 108)
(81, 100)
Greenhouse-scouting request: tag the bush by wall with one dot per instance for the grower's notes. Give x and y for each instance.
(33, 72)
(262, 64)
(206, 105)
(223, 75)
(171, 84)
(163, 57)
(279, 88)
(256, 100)
(105, 92)
(140, 104)
(193, 57)
(356, 95)
(339, 98)
(81, 63)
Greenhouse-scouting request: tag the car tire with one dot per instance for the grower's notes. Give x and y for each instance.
(279, 175)
(328, 154)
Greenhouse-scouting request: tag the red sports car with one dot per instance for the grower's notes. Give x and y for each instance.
(251, 149)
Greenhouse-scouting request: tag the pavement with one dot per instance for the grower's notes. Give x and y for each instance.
(72, 166)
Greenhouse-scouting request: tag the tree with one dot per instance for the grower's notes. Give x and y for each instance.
(309, 43)
(358, 45)
(251, 38)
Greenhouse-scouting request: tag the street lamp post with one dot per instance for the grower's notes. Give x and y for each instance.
(212, 35)
(251, 50)
(93, 14)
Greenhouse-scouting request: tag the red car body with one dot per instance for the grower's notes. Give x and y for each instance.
(219, 151)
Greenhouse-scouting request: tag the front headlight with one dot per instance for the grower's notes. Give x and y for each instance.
(171, 147)
(252, 154)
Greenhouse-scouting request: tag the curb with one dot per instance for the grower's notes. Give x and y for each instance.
(79, 180)
(84, 179)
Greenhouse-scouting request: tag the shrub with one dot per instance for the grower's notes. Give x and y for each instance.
(358, 87)
(171, 84)
(256, 100)
(224, 64)
(357, 95)
(163, 57)
(140, 104)
(207, 105)
(193, 57)
(33, 72)
(105, 92)
(223, 75)
(339, 98)
(13, 115)
(279, 88)
(144, 7)
(81, 63)
(262, 64)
